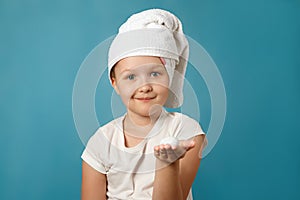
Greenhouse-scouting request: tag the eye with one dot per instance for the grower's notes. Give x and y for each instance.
(154, 74)
(131, 77)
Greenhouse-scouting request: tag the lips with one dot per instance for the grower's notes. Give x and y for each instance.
(144, 98)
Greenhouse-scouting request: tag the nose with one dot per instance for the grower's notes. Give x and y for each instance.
(145, 88)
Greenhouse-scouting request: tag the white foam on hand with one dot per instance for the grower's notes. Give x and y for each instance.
(171, 141)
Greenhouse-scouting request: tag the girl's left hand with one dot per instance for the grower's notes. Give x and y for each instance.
(169, 154)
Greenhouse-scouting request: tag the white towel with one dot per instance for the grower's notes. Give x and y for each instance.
(154, 32)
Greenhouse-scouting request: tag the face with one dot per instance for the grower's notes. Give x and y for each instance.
(142, 83)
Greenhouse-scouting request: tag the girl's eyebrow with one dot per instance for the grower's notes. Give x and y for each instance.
(158, 66)
(125, 70)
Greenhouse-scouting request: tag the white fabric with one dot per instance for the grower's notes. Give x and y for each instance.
(130, 171)
(154, 32)
(170, 68)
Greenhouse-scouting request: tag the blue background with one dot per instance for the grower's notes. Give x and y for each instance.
(255, 45)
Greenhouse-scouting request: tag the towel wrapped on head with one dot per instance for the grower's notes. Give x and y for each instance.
(154, 32)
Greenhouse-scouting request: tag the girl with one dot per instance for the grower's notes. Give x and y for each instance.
(148, 153)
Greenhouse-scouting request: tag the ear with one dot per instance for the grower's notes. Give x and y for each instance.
(114, 85)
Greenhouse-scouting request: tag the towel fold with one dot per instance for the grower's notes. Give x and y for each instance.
(154, 32)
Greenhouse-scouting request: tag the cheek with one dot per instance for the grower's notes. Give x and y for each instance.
(162, 90)
(125, 92)
(163, 81)
(128, 88)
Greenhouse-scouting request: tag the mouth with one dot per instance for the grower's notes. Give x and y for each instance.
(145, 99)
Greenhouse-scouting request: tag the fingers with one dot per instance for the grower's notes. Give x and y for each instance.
(156, 151)
(164, 152)
(168, 153)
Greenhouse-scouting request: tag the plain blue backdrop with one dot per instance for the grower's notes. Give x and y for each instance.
(255, 44)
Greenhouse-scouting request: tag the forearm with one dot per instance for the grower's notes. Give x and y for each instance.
(167, 182)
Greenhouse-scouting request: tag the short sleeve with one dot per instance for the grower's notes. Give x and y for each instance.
(187, 127)
(92, 153)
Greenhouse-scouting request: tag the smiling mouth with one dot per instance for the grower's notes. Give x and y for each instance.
(145, 98)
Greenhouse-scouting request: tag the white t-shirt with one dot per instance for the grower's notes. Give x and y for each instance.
(130, 171)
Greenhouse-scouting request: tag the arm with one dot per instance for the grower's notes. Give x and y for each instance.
(93, 184)
(173, 181)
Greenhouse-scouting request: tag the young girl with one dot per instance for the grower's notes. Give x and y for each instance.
(148, 153)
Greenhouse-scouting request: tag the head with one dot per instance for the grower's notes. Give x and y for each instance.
(142, 83)
(153, 33)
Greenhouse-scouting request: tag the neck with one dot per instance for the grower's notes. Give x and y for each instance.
(139, 126)
(147, 120)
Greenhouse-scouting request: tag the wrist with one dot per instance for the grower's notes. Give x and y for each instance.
(162, 164)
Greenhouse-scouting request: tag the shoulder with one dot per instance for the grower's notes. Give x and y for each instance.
(106, 132)
(97, 152)
(111, 127)
(182, 125)
(181, 119)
